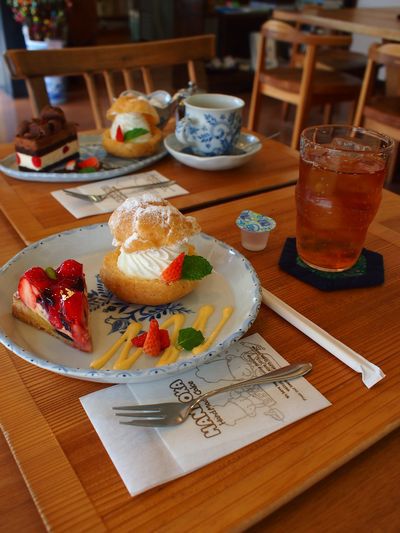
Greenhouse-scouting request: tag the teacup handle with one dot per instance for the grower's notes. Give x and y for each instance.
(182, 131)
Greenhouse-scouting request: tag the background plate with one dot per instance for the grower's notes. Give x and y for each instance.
(90, 145)
(233, 282)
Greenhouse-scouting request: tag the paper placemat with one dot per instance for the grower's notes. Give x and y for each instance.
(147, 457)
(82, 208)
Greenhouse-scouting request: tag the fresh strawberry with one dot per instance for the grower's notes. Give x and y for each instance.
(152, 344)
(70, 269)
(119, 135)
(92, 162)
(173, 272)
(164, 339)
(139, 340)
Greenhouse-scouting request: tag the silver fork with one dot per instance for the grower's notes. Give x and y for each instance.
(100, 197)
(170, 414)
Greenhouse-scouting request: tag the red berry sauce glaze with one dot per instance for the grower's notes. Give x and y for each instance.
(62, 295)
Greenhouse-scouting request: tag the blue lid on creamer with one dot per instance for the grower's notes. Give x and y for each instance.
(251, 221)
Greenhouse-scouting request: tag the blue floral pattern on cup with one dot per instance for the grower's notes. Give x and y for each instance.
(211, 125)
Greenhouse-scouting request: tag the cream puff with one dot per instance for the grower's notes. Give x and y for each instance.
(149, 235)
(133, 132)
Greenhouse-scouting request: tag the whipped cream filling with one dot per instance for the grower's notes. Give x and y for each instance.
(149, 264)
(128, 122)
(45, 160)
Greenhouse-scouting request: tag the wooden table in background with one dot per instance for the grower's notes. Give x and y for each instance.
(34, 213)
(75, 486)
(379, 22)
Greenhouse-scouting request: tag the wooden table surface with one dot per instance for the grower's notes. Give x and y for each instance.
(74, 485)
(379, 22)
(34, 213)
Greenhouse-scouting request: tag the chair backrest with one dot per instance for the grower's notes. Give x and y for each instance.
(282, 31)
(33, 66)
(385, 54)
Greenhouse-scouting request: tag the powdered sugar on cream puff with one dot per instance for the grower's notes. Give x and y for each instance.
(149, 222)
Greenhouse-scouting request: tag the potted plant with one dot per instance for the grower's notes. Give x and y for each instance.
(44, 25)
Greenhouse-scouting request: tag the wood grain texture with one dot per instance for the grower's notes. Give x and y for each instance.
(379, 22)
(32, 66)
(34, 213)
(243, 488)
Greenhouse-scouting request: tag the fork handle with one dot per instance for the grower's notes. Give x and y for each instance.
(281, 374)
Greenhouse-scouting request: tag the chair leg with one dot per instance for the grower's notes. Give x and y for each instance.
(298, 125)
(327, 117)
(285, 110)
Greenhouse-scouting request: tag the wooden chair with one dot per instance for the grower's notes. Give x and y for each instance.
(338, 58)
(303, 86)
(376, 109)
(91, 61)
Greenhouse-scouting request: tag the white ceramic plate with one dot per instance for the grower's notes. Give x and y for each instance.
(233, 282)
(247, 146)
(90, 145)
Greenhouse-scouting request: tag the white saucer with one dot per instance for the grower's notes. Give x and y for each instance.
(247, 146)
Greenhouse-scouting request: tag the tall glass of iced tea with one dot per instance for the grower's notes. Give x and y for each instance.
(342, 171)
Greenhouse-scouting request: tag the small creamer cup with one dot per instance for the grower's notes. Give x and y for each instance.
(255, 229)
(211, 125)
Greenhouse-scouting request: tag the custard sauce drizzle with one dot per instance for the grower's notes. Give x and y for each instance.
(171, 354)
(226, 313)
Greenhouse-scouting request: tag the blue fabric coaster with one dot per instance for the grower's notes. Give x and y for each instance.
(367, 272)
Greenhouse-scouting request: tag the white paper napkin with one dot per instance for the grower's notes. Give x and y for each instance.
(146, 457)
(81, 208)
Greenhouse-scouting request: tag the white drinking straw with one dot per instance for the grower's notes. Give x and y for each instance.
(370, 373)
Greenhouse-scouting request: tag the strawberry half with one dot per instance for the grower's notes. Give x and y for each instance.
(139, 340)
(91, 162)
(119, 135)
(152, 344)
(173, 272)
(164, 339)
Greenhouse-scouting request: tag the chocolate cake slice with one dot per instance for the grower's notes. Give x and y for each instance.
(44, 143)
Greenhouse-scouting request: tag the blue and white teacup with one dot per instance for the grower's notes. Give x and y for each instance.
(211, 125)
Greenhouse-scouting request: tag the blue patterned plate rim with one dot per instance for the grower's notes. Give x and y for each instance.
(138, 375)
(89, 145)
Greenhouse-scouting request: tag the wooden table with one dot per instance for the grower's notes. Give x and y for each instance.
(379, 22)
(74, 485)
(34, 213)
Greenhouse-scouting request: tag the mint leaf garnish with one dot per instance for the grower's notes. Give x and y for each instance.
(195, 267)
(133, 134)
(51, 273)
(87, 170)
(189, 338)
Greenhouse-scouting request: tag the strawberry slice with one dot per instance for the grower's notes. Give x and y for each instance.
(164, 339)
(90, 162)
(152, 344)
(119, 135)
(173, 272)
(139, 340)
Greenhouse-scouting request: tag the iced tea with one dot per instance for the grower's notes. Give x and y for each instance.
(337, 195)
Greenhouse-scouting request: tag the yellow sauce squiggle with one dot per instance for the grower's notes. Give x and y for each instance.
(131, 331)
(226, 313)
(170, 354)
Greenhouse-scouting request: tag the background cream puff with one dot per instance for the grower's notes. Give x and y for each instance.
(133, 132)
